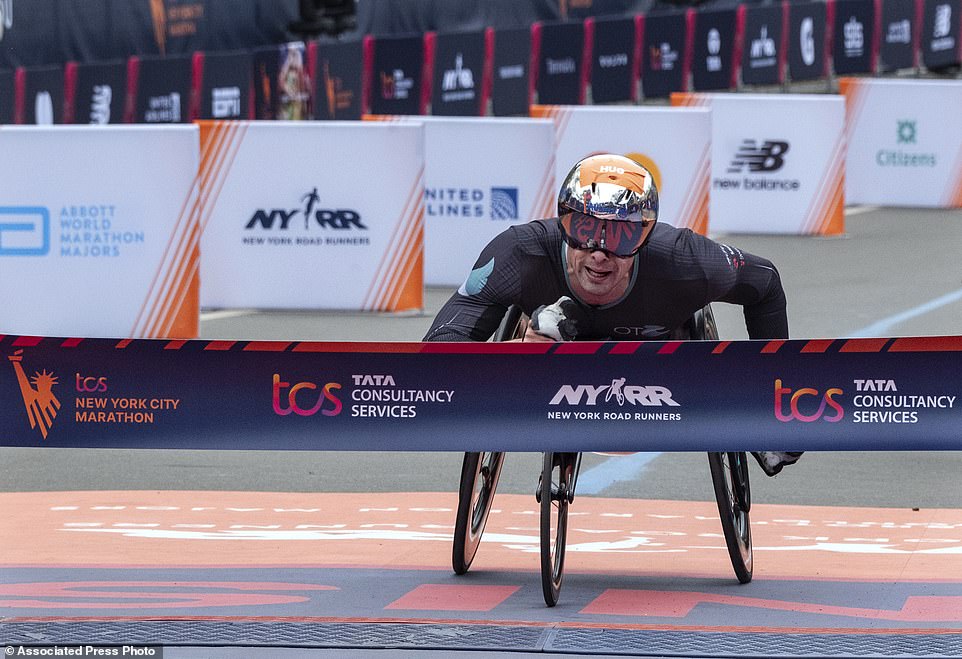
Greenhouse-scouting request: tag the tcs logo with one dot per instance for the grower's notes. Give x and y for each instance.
(325, 396)
(91, 384)
(796, 414)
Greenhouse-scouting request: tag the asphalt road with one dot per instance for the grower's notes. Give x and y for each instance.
(896, 272)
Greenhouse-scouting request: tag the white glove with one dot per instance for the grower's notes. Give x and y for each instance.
(556, 321)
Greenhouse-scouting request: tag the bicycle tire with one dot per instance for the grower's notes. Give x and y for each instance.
(479, 480)
(729, 475)
(554, 499)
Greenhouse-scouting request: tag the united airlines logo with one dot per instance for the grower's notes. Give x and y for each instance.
(504, 203)
(769, 157)
(39, 401)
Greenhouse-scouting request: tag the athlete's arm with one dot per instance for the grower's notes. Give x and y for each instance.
(474, 312)
(751, 281)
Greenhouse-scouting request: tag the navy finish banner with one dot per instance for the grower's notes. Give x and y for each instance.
(854, 30)
(897, 42)
(858, 394)
(337, 79)
(510, 91)
(663, 55)
(806, 40)
(761, 58)
(458, 74)
(613, 62)
(560, 80)
(714, 50)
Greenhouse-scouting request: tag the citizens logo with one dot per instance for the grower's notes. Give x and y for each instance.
(323, 401)
(39, 401)
(906, 133)
(304, 219)
(24, 231)
(806, 404)
(457, 84)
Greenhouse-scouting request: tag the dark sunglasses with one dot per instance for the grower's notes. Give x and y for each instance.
(616, 237)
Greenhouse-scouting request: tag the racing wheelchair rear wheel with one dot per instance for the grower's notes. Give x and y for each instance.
(729, 475)
(479, 476)
(556, 491)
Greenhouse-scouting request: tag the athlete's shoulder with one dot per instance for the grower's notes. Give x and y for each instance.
(536, 237)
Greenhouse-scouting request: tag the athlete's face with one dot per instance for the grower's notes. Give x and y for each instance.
(596, 276)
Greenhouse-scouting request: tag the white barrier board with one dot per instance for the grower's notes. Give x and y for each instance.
(778, 162)
(673, 143)
(299, 215)
(904, 142)
(481, 175)
(97, 235)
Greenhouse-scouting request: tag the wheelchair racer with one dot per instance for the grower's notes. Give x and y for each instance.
(605, 270)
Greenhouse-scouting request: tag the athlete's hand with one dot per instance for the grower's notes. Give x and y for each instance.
(556, 322)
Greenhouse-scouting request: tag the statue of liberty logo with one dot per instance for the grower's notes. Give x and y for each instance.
(38, 397)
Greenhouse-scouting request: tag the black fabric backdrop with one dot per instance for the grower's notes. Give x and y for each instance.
(338, 80)
(396, 78)
(806, 40)
(458, 74)
(512, 57)
(714, 50)
(854, 30)
(163, 90)
(612, 59)
(6, 97)
(559, 63)
(43, 83)
(226, 89)
(663, 55)
(896, 46)
(940, 33)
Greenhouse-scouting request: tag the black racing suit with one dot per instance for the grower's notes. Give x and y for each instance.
(676, 273)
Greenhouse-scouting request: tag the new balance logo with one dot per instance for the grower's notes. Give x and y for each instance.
(769, 157)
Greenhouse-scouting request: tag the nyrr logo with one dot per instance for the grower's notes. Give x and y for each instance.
(763, 52)
(340, 218)
(457, 84)
(814, 404)
(618, 391)
(39, 400)
(280, 390)
(769, 157)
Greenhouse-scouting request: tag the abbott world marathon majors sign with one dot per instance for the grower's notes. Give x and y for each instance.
(97, 237)
(777, 162)
(480, 177)
(312, 215)
(673, 143)
(904, 142)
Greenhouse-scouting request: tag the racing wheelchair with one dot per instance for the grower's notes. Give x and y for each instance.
(559, 479)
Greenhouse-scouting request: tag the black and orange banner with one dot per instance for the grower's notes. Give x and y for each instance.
(845, 394)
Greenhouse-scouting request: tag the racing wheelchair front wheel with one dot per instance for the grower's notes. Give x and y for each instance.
(729, 476)
(479, 475)
(555, 493)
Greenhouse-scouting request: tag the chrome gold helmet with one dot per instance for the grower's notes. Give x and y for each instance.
(608, 202)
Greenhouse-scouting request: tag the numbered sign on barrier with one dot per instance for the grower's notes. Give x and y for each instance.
(777, 162)
(673, 143)
(97, 233)
(480, 177)
(904, 142)
(312, 215)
